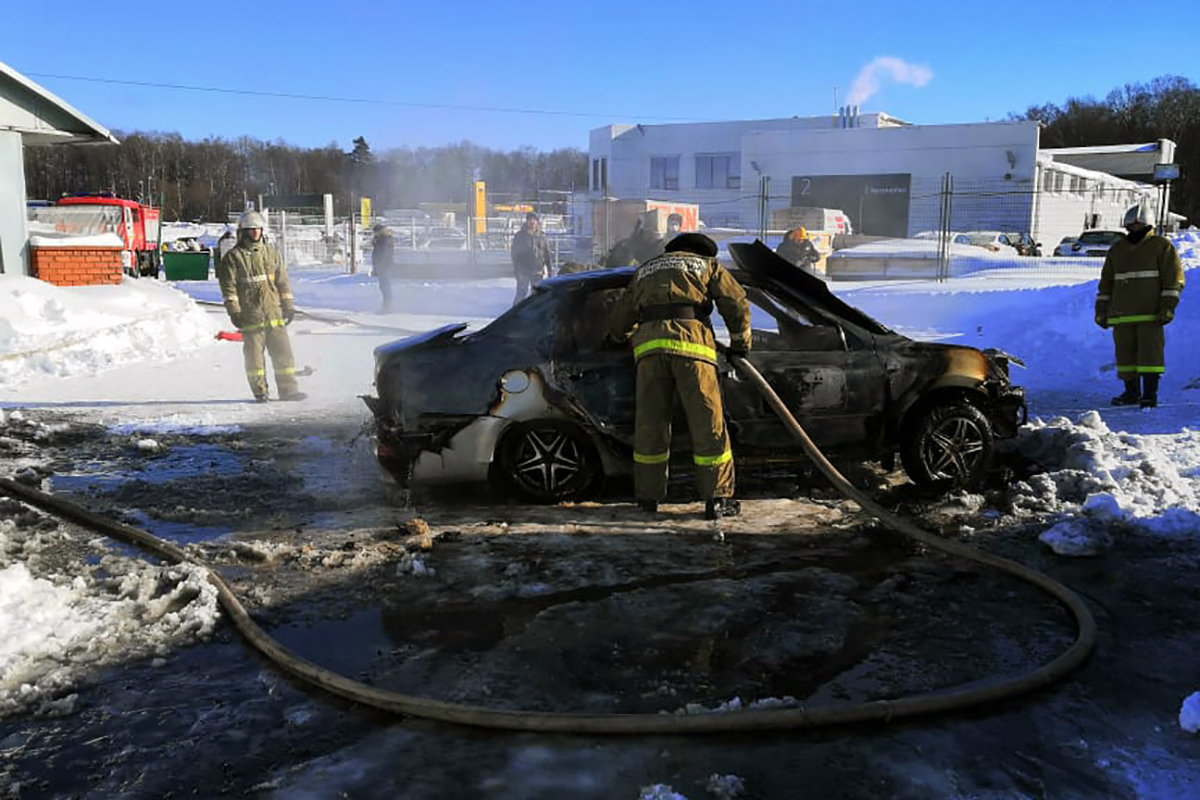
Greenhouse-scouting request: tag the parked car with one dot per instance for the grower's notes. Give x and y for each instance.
(998, 241)
(1064, 247)
(1023, 243)
(954, 236)
(543, 401)
(1094, 244)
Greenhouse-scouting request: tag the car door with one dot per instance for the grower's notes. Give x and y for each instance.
(832, 382)
(596, 373)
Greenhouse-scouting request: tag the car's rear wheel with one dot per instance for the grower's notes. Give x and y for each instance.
(548, 460)
(949, 447)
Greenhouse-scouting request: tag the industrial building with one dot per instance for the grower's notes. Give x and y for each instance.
(890, 177)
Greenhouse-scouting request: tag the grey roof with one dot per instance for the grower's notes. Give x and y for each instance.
(41, 117)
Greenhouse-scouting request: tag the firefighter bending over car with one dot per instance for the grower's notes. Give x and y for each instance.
(258, 296)
(1139, 289)
(666, 310)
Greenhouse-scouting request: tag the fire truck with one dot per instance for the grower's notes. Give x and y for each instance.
(137, 225)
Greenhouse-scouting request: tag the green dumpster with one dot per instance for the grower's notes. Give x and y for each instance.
(186, 266)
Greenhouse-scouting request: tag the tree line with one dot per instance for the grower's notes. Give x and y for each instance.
(214, 177)
(1167, 107)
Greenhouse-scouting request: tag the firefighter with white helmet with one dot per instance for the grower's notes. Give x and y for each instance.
(1139, 290)
(258, 296)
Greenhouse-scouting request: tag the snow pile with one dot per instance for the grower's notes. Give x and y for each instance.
(55, 628)
(48, 239)
(82, 330)
(1146, 483)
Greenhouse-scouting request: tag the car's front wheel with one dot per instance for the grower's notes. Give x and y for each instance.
(950, 446)
(548, 460)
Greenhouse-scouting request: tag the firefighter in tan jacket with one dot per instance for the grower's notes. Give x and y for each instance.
(1140, 285)
(254, 284)
(666, 309)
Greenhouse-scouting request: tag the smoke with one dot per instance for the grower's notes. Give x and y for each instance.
(866, 83)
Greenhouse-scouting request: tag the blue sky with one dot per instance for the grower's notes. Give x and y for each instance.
(598, 62)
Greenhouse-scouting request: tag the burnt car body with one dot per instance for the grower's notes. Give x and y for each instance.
(543, 400)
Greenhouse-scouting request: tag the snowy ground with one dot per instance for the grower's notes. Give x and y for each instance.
(142, 362)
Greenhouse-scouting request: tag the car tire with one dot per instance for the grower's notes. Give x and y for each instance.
(950, 447)
(548, 460)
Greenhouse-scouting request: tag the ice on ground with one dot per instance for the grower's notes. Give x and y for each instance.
(660, 791)
(55, 629)
(1189, 713)
(725, 787)
(1145, 482)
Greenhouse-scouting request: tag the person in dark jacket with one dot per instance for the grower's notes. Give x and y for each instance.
(383, 262)
(1139, 288)
(797, 249)
(530, 255)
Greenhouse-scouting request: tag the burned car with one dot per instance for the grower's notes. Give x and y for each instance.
(542, 400)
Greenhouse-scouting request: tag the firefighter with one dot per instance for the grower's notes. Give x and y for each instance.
(530, 254)
(1139, 289)
(254, 284)
(665, 309)
(798, 250)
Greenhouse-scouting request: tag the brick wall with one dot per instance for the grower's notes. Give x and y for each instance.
(76, 266)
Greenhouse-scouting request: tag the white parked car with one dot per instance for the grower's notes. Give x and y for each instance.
(995, 241)
(1064, 247)
(1094, 244)
(955, 236)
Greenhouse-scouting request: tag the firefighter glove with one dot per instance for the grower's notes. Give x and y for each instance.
(236, 318)
(736, 350)
(1165, 315)
(289, 314)
(1101, 320)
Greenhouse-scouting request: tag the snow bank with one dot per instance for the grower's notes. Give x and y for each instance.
(82, 330)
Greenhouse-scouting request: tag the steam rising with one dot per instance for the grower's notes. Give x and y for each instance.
(866, 83)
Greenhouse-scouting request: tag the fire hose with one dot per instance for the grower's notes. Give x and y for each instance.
(802, 717)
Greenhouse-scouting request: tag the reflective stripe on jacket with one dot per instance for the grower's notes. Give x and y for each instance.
(680, 279)
(1138, 280)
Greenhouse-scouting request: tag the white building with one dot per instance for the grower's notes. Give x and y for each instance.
(889, 176)
(30, 115)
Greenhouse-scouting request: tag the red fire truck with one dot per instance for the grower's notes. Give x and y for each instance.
(137, 224)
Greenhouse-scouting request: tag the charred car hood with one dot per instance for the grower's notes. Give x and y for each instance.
(436, 336)
(763, 263)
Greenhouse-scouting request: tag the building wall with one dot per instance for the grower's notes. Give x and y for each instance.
(76, 266)
(12, 205)
(1072, 200)
(993, 166)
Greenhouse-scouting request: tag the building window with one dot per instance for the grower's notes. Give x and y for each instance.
(599, 174)
(664, 172)
(720, 171)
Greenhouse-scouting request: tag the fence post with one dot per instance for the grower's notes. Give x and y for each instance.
(353, 236)
(944, 215)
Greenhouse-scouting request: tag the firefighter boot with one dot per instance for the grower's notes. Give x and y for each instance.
(1131, 396)
(722, 507)
(1149, 391)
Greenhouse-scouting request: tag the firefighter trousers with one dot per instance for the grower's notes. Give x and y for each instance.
(275, 341)
(1140, 349)
(660, 380)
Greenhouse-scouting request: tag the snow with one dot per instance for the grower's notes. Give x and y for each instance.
(142, 358)
(47, 239)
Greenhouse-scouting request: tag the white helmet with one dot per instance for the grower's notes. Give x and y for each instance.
(252, 219)
(1139, 214)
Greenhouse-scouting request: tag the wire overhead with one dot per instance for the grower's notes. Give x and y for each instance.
(362, 100)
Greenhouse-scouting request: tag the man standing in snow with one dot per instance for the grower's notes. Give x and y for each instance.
(665, 309)
(530, 256)
(258, 296)
(1139, 289)
(383, 262)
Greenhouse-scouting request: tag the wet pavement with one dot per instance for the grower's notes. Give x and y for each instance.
(593, 607)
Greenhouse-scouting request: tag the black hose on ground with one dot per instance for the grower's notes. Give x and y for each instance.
(662, 723)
